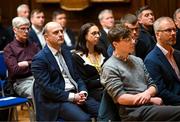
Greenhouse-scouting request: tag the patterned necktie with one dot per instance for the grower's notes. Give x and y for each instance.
(66, 70)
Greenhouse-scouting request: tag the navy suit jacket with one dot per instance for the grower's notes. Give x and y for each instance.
(177, 45)
(164, 76)
(49, 86)
(34, 38)
(103, 40)
(71, 35)
(146, 42)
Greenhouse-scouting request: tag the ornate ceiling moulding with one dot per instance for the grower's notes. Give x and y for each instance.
(110, 1)
(47, 1)
(74, 5)
(77, 5)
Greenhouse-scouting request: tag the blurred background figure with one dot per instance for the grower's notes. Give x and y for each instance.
(130, 21)
(176, 18)
(60, 17)
(22, 11)
(146, 39)
(107, 21)
(37, 24)
(3, 34)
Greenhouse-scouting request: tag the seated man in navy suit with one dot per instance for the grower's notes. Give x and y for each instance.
(163, 62)
(58, 90)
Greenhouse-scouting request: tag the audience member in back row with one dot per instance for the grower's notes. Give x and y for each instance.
(163, 62)
(127, 81)
(176, 18)
(36, 30)
(60, 17)
(18, 55)
(89, 59)
(3, 34)
(107, 21)
(146, 38)
(22, 11)
(129, 21)
(58, 90)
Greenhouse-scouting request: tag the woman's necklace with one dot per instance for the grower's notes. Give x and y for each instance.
(94, 59)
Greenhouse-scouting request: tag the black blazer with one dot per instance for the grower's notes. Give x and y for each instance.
(146, 42)
(177, 45)
(103, 40)
(71, 35)
(34, 38)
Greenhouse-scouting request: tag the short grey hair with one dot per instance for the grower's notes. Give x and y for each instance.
(101, 14)
(175, 13)
(157, 24)
(20, 7)
(18, 21)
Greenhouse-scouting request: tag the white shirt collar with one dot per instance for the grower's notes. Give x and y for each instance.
(53, 50)
(164, 51)
(36, 30)
(106, 30)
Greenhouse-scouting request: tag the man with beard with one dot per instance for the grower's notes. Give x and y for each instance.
(163, 62)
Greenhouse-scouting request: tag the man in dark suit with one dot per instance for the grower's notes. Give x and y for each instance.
(36, 30)
(146, 38)
(176, 17)
(129, 21)
(22, 11)
(69, 36)
(107, 21)
(163, 62)
(58, 90)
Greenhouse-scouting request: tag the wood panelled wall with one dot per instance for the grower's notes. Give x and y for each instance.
(77, 18)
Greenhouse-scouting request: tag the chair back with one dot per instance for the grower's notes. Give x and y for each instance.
(3, 67)
(3, 73)
(108, 110)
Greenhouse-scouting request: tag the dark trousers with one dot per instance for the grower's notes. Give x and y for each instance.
(153, 113)
(73, 112)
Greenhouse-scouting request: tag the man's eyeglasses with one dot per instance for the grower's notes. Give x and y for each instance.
(169, 30)
(96, 33)
(23, 29)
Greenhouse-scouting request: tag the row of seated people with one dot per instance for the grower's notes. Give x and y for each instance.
(37, 19)
(58, 86)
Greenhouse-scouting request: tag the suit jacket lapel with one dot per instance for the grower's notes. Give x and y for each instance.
(166, 63)
(51, 58)
(36, 39)
(67, 59)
